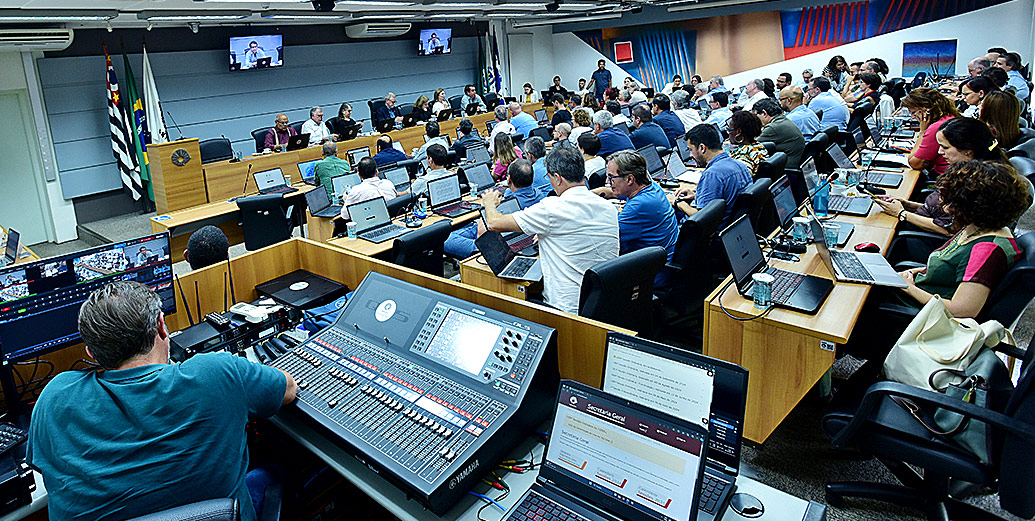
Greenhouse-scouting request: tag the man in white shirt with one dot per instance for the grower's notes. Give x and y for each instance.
(437, 158)
(502, 125)
(681, 106)
(318, 132)
(577, 230)
(371, 187)
(755, 90)
(432, 130)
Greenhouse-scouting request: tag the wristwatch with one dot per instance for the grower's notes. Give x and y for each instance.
(902, 216)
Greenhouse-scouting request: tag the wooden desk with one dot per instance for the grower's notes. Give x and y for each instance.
(473, 271)
(320, 228)
(372, 249)
(787, 352)
(24, 253)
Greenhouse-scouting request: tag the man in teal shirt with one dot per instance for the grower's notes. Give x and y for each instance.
(145, 435)
(329, 167)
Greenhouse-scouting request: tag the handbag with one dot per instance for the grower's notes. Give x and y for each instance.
(936, 340)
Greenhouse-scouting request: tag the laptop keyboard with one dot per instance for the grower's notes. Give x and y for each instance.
(712, 489)
(280, 190)
(518, 267)
(785, 284)
(850, 265)
(457, 208)
(521, 242)
(538, 508)
(377, 233)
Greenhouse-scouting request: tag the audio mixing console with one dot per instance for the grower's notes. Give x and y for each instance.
(428, 390)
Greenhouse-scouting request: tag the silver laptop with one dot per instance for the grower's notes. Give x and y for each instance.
(358, 153)
(851, 266)
(372, 221)
(479, 178)
(343, 183)
(504, 262)
(858, 206)
(398, 176)
(11, 250)
(877, 178)
(272, 182)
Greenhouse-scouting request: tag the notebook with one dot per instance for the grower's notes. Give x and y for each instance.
(307, 169)
(11, 249)
(694, 388)
(445, 199)
(656, 168)
(609, 458)
(398, 176)
(853, 266)
(504, 262)
(343, 183)
(372, 221)
(320, 204)
(356, 154)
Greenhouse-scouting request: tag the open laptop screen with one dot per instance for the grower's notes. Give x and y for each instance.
(269, 179)
(839, 157)
(654, 164)
(11, 248)
(783, 199)
(742, 248)
(398, 176)
(342, 183)
(629, 460)
(369, 214)
(307, 169)
(443, 190)
(680, 382)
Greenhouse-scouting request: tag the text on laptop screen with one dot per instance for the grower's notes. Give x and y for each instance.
(478, 154)
(479, 177)
(307, 169)
(444, 190)
(643, 372)
(269, 179)
(654, 163)
(783, 198)
(645, 462)
(839, 157)
(369, 214)
(358, 153)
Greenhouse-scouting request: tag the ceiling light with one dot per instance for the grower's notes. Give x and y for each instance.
(201, 16)
(375, 3)
(570, 20)
(459, 4)
(287, 15)
(384, 16)
(20, 15)
(706, 5)
(507, 15)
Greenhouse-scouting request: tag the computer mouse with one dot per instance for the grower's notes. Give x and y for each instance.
(868, 247)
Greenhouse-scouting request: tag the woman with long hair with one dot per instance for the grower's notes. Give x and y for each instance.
(440, 102)
(932, 110)
(1001, 111)
(837, 73)
(422, 109)
(972, 91)
(504, 153)
(530, 95)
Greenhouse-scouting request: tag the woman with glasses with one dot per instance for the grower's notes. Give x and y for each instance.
(972, 91)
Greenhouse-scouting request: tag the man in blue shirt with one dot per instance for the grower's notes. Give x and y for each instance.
(647, 219)
(647, 132)
(830, 104)
(723, 177)
(535, 151)
(792, 101)
(611, 139)
(471, 97)
(145, 435)
(460, 243)
(468, 138)
(522, 121)
(600, 80)
(721, 114)
(387, 111)
(1010, 62)
(386, 153)
(668, 120)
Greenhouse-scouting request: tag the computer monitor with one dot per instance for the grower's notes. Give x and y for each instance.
(39, 301)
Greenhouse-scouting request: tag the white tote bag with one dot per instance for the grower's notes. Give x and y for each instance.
(936, 340)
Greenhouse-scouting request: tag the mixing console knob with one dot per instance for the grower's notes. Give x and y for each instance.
(397, 406)
(440, 429)
(380, 394)
(443, 452)
(409, 412)
(450, 455)
(303, 384)
(447, 433)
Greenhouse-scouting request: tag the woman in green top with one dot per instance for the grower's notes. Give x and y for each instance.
(983, 198)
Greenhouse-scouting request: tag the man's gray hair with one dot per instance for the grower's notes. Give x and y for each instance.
(717, 79)
(759, 84)
(500, 112)
(679, 99)
(515, 107)
(330, 148)
(701, 87)
(119, 322)
(389, 96)
(563, 129)
(535, 147)
(313, 110)
(604, 119)
(567, 163)
(981, 61)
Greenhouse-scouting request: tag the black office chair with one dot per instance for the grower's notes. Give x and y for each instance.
(259, 135)
(770, 147)
(399, 205)
(405, 109)
(329, 123)
(517, 138)
(492, 100)
(422, 249)
(773, 166)
(1025, 149)
(412, 166)
(297, 126)
(620, 291)
(541, 132)
(831, 132)
(884, 428)
(816, 149)
(210, 510)
(751, 201)
(859, 115)
(690, 267)
(896, 88)
(454, 102)
(215, 149)
(597, 179)
(918, 80)
(265, 220)
(451, 158)
(819, 115)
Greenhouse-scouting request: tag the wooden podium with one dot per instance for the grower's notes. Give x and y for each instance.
(177, 186)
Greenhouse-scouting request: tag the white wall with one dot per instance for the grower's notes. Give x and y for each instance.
(562, 54)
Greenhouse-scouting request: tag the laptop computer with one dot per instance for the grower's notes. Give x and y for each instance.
(445, 114)
(520, 243)
(263, 63)
(708, 392)
(489, 124)
(398, 176)
(356, 154)
(791, 290)
(320, 204)
(876, 178)
(788, 207)
(297, 142)
(385, 125)
(272, 182)
(342, 184)
(853, 266)
(656, 168)
(626, 111)
(11, 249)
(307, 169)
(505, 262)
(349, 133)
(540, 116)
(409, 120)
(610, 459)
(471, 109)
(859, 206)
(647, 91)
(479, 178)
(478, 154)
(372, 221)
(445, 199)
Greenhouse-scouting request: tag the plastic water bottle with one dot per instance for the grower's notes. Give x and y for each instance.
(821, 199)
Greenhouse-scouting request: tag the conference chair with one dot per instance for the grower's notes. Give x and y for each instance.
(831, 132)
(918, 81)
(751, 201)
(620, 291)
(454, 102)
(329, 123)
(770, 147)
(773, 166)
(492, 100)
(297, 126)
(816, 149)
(859, 115)
(259, 135)
(690, 270)
(819, 115)
(215, 149)
(405, 109)
(452, 157)
(1025, 149)
(224, 509)
(412, 166)
(896, 88)
(517, 138)
(374, 104)
(597, 179)
(265, 220)
(401, 204)
(541, 132)
(422, 249)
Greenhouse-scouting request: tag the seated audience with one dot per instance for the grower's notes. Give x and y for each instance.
(535, 152)
(783, 80)
(441, 103)
(206, 247)
(720, 116)
(504, 153)
(972, 91)
(776, 128)
(976, 66)
(371, 187)
(1011, 63)
(589, 145)
(723, 176)
(682, 108)
(769, 88)
(826, 102)
(997, 75)
(583, 122)
(870, 90)
(277, 137)
(318, 132)
(836, 72)
(502, 125)
(522, 121)
(329, 167)
(753, 91)
(431, 129)
(530, 95)
(344, 120)
(562, 135)
(576, 230)
(672, 86)
(611, 139)
(806, 80)
(994, 53)
(647, 219)
(422, 110)
(932, 110)
(144, 435)
(469, 98)
(468, 138)
(590, 104)
(646, 132)
(792, 100)
(668, 120)
(386, 153)
(695, 80)
(561, 114)
(438, 156)
(744, 130)
(1002, 113)
(715, 84)
(388, 111)
(617, 118)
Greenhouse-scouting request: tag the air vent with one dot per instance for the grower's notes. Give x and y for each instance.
(35, 39)
(376, 30)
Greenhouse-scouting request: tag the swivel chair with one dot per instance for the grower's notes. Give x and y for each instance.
(265, 220)
(620, 291)
(216, 149)
(224, 509)
(422, 249)
(773, 166)
(751, 201)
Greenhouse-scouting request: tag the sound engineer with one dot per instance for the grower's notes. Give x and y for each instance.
(145, 435)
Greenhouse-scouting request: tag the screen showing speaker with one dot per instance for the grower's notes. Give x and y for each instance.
(256, 52)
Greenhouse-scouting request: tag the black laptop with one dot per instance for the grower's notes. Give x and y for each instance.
(409, 120)
(788, 207)
(320, 204)
(445, 199)
(297, 142)
(479, 178)
(656, 168)
(444, 114)
(540, 116)
(472, 109)
(385, 125)
(520, 243)
(791, 290)
(356, 154)
(373, 222)
(610, 459)
(263, 63)
(504, 262)
(694, 388)
(478, 154)
(349, 133)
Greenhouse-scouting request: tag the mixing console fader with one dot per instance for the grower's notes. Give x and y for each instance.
(428, 390)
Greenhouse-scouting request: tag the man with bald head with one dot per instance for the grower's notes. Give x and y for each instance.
(522, 121)
(792, 101)
(277, 137)
(978, 65)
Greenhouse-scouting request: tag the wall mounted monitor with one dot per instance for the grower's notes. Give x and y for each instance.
(256, 52)
(435, 41)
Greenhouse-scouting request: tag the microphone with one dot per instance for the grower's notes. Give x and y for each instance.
(174, 123)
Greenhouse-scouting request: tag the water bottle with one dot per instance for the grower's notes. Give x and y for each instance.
(821, 197)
